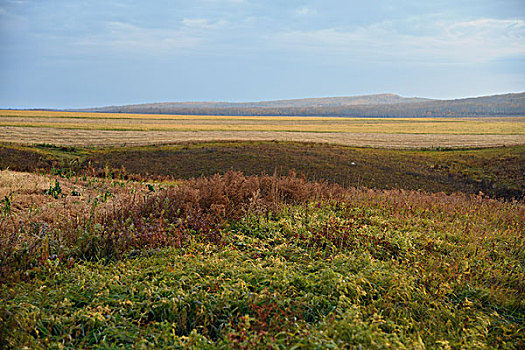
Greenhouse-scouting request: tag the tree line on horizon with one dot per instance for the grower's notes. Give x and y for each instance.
(488, 106)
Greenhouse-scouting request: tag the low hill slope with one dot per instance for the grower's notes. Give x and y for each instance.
(383, 105)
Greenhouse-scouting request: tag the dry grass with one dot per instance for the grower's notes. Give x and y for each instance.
(107, 129)
(88, 115)
(22, 184)
(77, 137)
(86, 205)
(510, 126)
(27, 194)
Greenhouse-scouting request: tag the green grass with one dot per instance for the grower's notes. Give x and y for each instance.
(234, 261)
(375, 270)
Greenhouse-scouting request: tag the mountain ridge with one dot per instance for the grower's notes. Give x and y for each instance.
(377, 105)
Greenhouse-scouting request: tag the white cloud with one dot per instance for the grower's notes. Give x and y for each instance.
(442, 42)
(487, 27)
(305, 11)
(191, 34)
(202, 23)
(226, 2)
(120, 36)
(198, 22)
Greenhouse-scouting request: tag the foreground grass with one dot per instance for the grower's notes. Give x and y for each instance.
(264, 262)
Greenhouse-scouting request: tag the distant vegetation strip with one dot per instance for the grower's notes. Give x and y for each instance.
(497, 126)
(13, 113)
(111, 115)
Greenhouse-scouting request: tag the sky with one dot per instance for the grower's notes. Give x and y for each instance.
(87, 53)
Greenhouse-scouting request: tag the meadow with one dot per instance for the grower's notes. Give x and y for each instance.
(261, 244)
(234, 261)
(496, 172)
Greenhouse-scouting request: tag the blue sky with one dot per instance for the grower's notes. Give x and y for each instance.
(63, 53)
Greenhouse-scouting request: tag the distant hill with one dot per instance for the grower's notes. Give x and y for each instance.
(381, 105)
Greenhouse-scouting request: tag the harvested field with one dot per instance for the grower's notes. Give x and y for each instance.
(105, 129)
(79, 137)
(345, 125)
(91, 115)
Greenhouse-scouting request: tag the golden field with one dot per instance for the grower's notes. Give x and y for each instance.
(115, 129)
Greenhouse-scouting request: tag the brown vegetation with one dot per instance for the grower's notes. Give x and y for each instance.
(234, 261)
(93, 219)
(496, 172)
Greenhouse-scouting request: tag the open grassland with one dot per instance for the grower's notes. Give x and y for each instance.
(91, 115)
(255, 262)
(497, 172)
(77, 137)
(68, 128)
(515, 126)
(144, 247)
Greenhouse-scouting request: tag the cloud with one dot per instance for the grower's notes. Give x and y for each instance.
(421, 40)
(226, 2)
(505, 29)
(190, 34)
(202, 23)
(431, 41)
(120, 36)
(305, 11)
